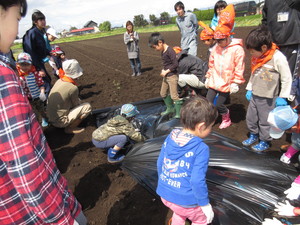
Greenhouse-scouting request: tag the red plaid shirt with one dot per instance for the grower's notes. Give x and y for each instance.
(32, 190)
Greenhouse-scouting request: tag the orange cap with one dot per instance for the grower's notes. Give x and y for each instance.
(177, 49)
(207, 33)
(226, 23)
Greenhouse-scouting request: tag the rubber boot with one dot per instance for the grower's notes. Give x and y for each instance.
(178, 105)
(286, 157)
(170, 106)
(113, 156)
(251, 140)
(73, 129)
(226, 121)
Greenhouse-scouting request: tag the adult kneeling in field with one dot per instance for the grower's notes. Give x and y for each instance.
(64, 108)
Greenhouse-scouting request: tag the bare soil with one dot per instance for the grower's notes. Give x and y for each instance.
(107, 194)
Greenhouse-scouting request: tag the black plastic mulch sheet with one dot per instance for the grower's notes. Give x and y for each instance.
(243, 185)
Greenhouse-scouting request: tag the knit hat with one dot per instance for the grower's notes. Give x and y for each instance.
(129, 110)
(281, 118)
(207, 33)
(72, 68)
(52, 32)
(24, 58)
(177, 49)
(226, 23)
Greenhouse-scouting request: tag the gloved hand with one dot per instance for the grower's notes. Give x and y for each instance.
(291, 98)
(46, 60)
(273, 221)
(293, 192)
(42, 96)
(248, 95)
(206, 83)
(234, 88)
(285, 209)
(280, 102)
(208, 212)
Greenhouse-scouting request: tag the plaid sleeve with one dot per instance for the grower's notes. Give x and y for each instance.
(30, 166)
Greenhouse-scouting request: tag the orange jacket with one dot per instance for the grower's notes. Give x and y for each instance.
(226, 66)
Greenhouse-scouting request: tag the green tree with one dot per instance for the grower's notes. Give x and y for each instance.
(105, 26)
(152, 18)
(140, 21)
(165, 16)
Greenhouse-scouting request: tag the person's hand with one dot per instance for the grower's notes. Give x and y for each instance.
(42, 73)
(293, 192)
(234, 88)
(284, 209)
(42, 96)
(280, 102)
(248, 95)
(163, 73)
(208, 212)
(206, 83)
(273, 221)
(57, 72)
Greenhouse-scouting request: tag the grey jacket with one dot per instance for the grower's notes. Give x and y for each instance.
(132, 44)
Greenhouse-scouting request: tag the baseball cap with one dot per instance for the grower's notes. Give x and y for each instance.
(129, 110)
(56, 49)
(52, 32)
(281, 118)
(24, 58)
(72, 68)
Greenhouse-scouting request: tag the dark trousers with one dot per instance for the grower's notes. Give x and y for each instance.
(210, 96)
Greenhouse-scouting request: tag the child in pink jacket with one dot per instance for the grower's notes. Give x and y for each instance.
(226, 65)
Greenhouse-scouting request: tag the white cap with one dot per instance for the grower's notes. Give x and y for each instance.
(52, 32)
(72, 68)
(281, 118)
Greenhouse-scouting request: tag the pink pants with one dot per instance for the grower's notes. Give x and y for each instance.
(180, 214)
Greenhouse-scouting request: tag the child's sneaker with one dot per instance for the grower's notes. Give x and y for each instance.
(261, 146)
(45, 122)
(251, 140)
(285, 159)
(113, 156)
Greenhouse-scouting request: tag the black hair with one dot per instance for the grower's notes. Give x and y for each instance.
(37, 15)
(258, 37)
(9, 3)
(180, 5)
(155, 38)
(197, 110)
(219, 4)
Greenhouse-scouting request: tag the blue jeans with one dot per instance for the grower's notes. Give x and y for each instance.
(135, 65)
(118, 140)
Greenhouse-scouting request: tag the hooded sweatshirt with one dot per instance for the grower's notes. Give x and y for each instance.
(189, 64)
(182, 166)
(226, 66)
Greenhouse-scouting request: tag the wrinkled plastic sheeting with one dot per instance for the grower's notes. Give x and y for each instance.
(243, 185)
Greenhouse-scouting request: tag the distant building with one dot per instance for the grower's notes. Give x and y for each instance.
(90, 23)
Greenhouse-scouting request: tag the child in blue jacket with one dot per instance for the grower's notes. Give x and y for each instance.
(183, 162)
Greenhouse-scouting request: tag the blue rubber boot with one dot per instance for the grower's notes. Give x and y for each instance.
(113, 156)
(251, 140)
(261, 146)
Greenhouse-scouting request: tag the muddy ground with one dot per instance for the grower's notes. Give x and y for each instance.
(107, 194)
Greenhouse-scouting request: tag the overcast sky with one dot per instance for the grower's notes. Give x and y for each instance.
(62, 14)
